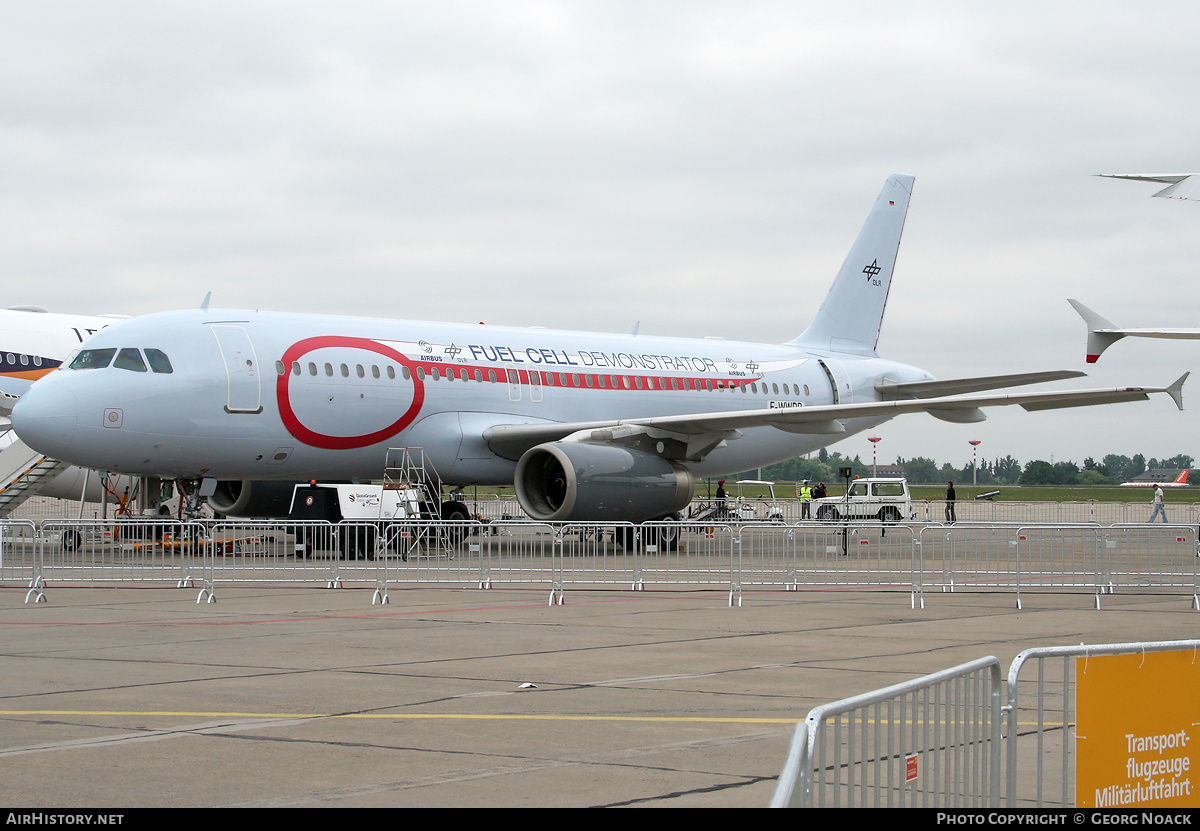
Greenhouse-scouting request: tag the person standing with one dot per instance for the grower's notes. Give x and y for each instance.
(1159, 508)
(721, 498)
(950, 498)
(806, 498)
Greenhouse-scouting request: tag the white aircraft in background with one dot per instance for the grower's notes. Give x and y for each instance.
(585, 426)
(1179, 481)
(1179, 185)
(34, 342)
(1103, 333)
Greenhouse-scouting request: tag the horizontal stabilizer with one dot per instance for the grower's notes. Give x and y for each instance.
(1179, 185)
(1102, 333)
(959, 386)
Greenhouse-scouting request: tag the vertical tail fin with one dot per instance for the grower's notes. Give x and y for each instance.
(850, 317)
(1098, 340)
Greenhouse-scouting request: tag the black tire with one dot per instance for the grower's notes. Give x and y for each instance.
(666, 537)
(625, 536)
(827, 513)
(358, 542)
(889, 515)
(456, 512)
(72, 540)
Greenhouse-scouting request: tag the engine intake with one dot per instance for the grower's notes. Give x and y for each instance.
(263, 500)
(599, 483)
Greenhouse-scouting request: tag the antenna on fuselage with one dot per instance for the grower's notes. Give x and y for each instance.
(204, 302)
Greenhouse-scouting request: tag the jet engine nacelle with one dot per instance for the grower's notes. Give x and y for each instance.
(599, 482)
(263, 499)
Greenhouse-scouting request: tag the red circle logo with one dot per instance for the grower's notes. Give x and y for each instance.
(315, 439)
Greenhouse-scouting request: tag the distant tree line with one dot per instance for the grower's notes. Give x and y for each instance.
(1113, 470)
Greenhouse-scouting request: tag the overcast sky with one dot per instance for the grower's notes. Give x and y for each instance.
(701, 167)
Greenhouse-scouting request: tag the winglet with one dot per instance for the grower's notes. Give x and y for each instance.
(1176, 390)
(204, 303)
(1098, 339)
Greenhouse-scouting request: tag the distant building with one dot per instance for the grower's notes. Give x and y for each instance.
(890, 470)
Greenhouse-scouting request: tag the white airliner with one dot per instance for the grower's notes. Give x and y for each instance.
(586, 426)
(1103, 333)
(1179, 481)
(33, 342)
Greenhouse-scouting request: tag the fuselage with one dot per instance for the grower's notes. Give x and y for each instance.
(263, 395)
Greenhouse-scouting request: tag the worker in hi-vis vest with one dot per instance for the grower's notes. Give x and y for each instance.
(805, 492)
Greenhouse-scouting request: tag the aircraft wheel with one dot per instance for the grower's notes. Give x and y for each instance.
(666, 537)
(72, 540)
(358, 542)
(625, 536)
(456, 512)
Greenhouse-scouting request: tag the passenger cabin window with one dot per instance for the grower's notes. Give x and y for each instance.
(93, 359)
(130, 359)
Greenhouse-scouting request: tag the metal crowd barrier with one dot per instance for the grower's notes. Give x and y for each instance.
(1090, 558)
(1061, 513)
(822, 554)
(20, 555)
(155, 550)
(1095, 558)
(930, 742)
(936, 741)
(1042, 721)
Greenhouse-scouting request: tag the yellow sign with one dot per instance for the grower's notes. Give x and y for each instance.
(1137, 740)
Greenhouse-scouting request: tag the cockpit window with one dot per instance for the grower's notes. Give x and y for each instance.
(93, 359)
(130, 359)
(159, 362)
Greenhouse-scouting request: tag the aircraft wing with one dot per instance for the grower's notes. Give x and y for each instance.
(694, 435)
(958, 386)
(1179, 185)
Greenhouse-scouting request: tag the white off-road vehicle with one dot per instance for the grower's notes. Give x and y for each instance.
(885, 500)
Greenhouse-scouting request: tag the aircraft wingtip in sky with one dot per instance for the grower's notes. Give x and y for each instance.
(585, 426)
(1179, 185)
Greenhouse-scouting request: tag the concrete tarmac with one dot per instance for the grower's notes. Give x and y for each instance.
(298, 696)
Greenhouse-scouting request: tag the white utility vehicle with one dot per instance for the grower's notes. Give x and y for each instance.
(885, 500)
(747, 508)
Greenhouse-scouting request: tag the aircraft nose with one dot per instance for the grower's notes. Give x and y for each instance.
(45, 418)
